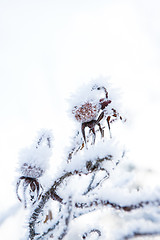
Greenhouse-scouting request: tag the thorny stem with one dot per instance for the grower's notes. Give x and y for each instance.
(97, 203)
(35, 215)
(51, 193)
(51, 229)
(90, 206)
(116, 206)
(44, 199)
(66, 221)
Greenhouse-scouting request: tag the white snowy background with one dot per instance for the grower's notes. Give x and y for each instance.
(50, 48)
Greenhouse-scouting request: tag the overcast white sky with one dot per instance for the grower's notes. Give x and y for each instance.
(49, 48)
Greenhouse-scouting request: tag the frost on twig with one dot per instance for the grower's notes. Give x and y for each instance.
(93, 177)
(93, 197)
(72, 169)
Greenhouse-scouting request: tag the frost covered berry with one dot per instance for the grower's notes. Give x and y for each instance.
(86, 112)
(31, 171)
(33, 163)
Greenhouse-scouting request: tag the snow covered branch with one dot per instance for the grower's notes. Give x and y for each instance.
(126, 208)
(87, 180)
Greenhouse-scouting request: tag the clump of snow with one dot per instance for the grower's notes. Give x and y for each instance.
(33, 160)
(88, 93)
(84, 94)
(98, 151)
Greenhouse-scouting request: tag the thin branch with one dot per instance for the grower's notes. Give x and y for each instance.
(36, 213)
(67, 220)
(49, 230)
(44, 199)
(51, 193)
(63, 220)
(90, 187)
(116, 206)
(80, 146)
